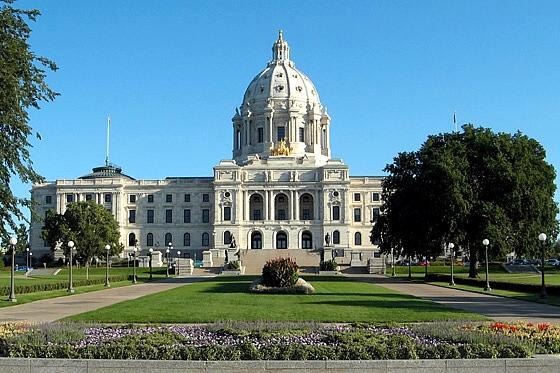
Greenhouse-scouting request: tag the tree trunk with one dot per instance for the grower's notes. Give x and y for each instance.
(409, 268)
(473, 260)
(87, 270)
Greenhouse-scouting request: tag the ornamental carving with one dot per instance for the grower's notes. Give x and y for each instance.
(281, 148)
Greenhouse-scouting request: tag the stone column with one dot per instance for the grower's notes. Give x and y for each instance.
(266, 211)
(271, 205)
(291, 205)
(296, 201)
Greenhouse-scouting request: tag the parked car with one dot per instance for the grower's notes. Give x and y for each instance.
(424, 263)
(519, 262)
(553, 262)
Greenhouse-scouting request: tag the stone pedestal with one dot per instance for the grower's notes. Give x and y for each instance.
(355, 259)
(207, 259)
(328, 253)
(232, 255)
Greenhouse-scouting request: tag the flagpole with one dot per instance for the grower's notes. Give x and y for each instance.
(107, 150)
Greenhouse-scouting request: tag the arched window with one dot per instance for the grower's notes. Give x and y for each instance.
(187, 239)
(255, 207)
(281, 204)
(336, 237)
(205, 239)
(227, 238)
(256, 240)
(131, 239)
(306, 240)
(168, 239)
(357, 238)
(281, 240)
(306, 207)
(149, 239)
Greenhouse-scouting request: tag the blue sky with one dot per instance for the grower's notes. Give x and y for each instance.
(171, 73)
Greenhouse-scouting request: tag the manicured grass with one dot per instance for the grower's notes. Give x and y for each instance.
(20, 278)
(31, 297)
(336, 299)
(530, 297)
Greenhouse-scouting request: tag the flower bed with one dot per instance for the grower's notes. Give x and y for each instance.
(278, 341)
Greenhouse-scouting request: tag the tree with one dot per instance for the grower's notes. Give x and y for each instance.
(89, 225)
(22, 86)
(465, 186)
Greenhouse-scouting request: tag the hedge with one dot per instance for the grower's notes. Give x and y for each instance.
(526, 288)
(49, 286)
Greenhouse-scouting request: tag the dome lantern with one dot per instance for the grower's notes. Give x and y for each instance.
(280, 49)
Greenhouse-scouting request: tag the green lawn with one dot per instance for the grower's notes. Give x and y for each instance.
(336, 299)
(20, 278)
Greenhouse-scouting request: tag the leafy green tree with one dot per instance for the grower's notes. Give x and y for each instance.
(22, 86)
(89, 225)
(465, 186)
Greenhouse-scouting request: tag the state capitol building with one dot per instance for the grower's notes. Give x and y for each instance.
(281, 190)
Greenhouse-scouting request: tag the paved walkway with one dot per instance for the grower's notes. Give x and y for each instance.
(48, 310)
(494, 307)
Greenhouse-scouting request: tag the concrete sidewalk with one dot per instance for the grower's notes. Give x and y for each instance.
(494, 307)
(48, 310)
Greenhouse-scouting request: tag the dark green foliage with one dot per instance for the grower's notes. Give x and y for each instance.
(22, 86)
(233, 266)
(463, 187)
(328, 265)
(89, 225)
(280, 272)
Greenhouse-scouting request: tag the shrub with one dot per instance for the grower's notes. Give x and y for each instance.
(328, 265)
(280, 272)
(233, 266)
(63, 284)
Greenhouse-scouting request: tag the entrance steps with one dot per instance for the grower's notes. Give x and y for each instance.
(254, 260)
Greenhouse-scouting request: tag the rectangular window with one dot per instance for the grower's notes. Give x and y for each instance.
(69, 198)
(186, 216)
(256, 214)
(132, 198)
(132, 216)
(281, 214)
(280, 133)
(374, 197)
(168, 198)
(301, 135)
(108, 198)
(89, 197)
(357, 197)
(305, 214)
(336, 213)
(187, 197)
(150, 216)
(260, 134)
(206, 197)
(357, 214)
(227, 213)
(169, 216)
(150, 198)
(375, 214)
(48, 200)
(205, 216)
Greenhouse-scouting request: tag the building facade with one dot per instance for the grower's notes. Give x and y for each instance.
(281, 189)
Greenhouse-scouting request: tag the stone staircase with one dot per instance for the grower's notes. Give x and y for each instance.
(254, 260)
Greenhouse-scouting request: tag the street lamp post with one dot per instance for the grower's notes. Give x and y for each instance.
(452, 248)
(134, 262)
(178, 263)
(485, 242)
(31, 259)
(150, 253)
(107, 249)
(393, 273)
(70, 285)
(27, 258)
(167, 263)
(542, 238)
(12, 297)
(168, 251)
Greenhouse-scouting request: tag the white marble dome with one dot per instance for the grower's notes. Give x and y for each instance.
(280, 80)
(281, 114)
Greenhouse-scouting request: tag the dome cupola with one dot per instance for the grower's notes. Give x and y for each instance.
(281, 114)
